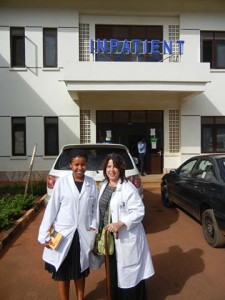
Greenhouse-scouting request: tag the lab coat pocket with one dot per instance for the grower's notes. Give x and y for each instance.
(129, 254)
(91, 238)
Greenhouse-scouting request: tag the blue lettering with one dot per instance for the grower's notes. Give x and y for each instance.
(114, 43)
(136, 45)
(101, 46)
(125, 47)
(155, 46)
(91, 46)
(180, 46)
(167, 47)
(145, 47)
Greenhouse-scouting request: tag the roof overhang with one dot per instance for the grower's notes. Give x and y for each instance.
(186, 80)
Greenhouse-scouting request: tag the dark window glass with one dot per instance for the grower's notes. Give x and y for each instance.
(50, 47)
(51, 136)
(155, 116)
(17, 46)
(213, 49)
(18, 136)
(138, 116)
(221, 163)
(96, 156)
(104, 116)
(207, 138)
(127, 32)
(213, 134)
(121, 117)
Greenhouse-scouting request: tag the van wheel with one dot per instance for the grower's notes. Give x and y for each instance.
(212, 234)
(165, 196)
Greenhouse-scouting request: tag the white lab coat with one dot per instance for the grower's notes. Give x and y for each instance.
(134, 261)
(67, 211)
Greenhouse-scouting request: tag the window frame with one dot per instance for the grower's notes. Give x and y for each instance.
(212, 39)
(17, 47)
(213, 125)
(48, 126)
(50, 33)
(18, 127)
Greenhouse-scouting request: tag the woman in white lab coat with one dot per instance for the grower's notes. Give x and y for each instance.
(71, 211)
(131, 262)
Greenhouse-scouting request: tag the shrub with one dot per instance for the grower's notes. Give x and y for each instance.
(36, 188)
(10, 208)
(12, 200)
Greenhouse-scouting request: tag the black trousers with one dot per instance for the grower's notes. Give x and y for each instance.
(141, 158)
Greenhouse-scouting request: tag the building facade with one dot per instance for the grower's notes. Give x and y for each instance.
(77, 72)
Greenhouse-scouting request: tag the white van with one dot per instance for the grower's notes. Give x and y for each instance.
(96, 154)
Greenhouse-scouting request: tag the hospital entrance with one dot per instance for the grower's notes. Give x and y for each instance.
(127, 127)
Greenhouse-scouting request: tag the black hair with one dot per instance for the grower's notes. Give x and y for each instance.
(77, 153)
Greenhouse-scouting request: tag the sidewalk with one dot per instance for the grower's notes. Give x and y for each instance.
(155, 178)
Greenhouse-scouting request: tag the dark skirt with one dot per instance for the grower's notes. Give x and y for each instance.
(137, 292)
(70, 267)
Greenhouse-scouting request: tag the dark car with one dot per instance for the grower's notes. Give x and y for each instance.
(198, 186)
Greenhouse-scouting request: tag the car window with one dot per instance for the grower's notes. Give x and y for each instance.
(204, 170)
(185, 170)
(221, 163)
(96, 157)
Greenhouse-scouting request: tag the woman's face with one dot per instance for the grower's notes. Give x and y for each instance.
(112, 172)
(78, 166)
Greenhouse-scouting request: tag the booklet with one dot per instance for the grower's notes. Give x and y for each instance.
(56, 238)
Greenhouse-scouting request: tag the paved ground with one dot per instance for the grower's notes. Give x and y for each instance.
(186, 267)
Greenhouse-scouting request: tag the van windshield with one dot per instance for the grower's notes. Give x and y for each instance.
(96, 158)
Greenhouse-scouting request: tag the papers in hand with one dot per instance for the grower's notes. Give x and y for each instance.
(56, 238)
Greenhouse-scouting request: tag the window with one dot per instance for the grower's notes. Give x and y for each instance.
(213, 49)
(213, 134)
(50, 47)
(51, 136)
(186, 169)
(17, 46)
(129, 33)
(204, 171)
(18, 136)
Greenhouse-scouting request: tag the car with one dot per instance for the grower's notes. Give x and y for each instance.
(96, 155)
(198, 187)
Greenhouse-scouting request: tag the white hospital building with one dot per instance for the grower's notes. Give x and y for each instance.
(78, 71)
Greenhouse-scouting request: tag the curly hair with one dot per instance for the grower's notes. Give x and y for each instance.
(118, 162)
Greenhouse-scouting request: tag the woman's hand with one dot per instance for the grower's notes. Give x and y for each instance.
(114, 227)
(48, 243)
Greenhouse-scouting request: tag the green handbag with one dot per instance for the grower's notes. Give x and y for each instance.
(103, 237)
(101, 242)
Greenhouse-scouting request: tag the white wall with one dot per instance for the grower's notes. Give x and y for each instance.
(35, 92)
(190, 135)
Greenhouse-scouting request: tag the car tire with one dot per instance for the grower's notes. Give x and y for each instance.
(212, 234)
(165, 196)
